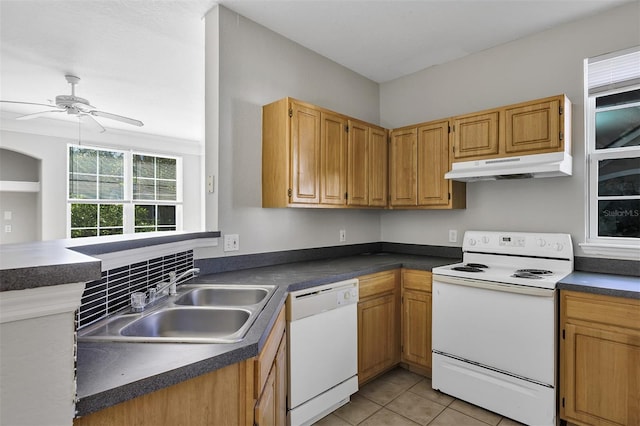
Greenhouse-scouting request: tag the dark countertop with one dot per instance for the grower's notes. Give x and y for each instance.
(110, 373)
(47, 263)
(605, 284)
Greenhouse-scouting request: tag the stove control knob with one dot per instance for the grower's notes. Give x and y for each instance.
(541, 242)
(485, 240)
(558, 246)
(472, 242)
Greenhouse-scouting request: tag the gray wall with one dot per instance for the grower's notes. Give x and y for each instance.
(541, 65)
(249, 66)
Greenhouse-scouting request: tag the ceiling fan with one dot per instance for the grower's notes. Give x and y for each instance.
(74, 105)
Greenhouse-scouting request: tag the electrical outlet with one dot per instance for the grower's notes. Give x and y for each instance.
(7, 229)
(453, 236)
(231, 242)
(343, 235)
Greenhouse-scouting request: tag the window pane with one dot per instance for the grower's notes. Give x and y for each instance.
(166, 168)
(111, 188)
(83, 160)
(82, 186)
(144, 189)
(111, 163)
(78, 233)
(110, 215)
(619, 218)
(619, 177)
(111, 231)
(143, 166)
(84, 215)
(145, 215)
(618, 127)
(151, 229)
(166, 215)
(166, 190)
(166, 228)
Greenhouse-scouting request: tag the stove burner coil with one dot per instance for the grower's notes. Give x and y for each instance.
(535, 271)
(476, 265)
(525, 274)
(467, 269)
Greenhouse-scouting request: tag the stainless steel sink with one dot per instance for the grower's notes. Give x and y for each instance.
(199, 313)
(223, 296)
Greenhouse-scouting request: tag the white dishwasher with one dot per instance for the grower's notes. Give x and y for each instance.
(322, 328)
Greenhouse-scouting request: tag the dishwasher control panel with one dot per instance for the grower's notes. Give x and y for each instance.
(347, 296)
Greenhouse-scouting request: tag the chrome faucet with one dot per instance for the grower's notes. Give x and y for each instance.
(173, 281)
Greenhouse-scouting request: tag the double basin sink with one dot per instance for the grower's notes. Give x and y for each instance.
(199, 313)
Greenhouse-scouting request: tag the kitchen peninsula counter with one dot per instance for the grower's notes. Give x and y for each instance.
(109, 373)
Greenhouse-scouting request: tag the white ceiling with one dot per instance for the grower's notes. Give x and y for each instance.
(145, 58)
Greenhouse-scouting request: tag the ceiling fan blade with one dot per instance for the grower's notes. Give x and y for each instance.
(30, 103)
(87, 118)
(37, 114)
(83, 107)
(117, 118)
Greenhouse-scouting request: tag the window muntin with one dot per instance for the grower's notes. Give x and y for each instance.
(114, 192)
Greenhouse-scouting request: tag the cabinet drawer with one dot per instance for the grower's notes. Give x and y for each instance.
(378, 283)
(608, 310)
(264, 360)
(416, 280)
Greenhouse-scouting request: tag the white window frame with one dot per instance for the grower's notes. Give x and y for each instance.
(128, 203)
(610, 247)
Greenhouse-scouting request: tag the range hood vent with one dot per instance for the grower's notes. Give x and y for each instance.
(527, 166)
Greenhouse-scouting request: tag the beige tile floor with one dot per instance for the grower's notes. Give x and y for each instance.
(402, 398)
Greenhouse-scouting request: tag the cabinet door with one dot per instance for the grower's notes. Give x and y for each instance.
(266, 407)
(358, 164)
(475, 136)
(378, 168)
(305, 152)
(333, 170)
(533, 127)
(601, 376)
(416, 328)
(376, 331)
(403, 167)
(433, 163)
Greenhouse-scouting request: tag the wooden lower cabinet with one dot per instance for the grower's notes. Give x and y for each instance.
(251, 392)
(378, 324)
(416, 320)
(599, 359)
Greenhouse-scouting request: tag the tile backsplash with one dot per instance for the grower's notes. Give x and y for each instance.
(112, 292)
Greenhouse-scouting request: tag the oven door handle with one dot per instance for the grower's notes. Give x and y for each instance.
(490, 285)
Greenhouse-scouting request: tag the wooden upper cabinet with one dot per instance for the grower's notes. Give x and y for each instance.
(378, 167)
(403, 164)
(367, 179)
(475, 135)
(533, 127)
(310, 159)
(333, 161)
(358, 164)
(305, 148)
(433, 163)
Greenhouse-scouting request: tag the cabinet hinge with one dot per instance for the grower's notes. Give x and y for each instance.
(449, 196)
(562, 334)
(346, 129)
(563, 401)
(453, 148)
(561, 110)
(402, 349)
(448, 129)
(289, 192)
(290, 112)
(561, 135)
(346, 195)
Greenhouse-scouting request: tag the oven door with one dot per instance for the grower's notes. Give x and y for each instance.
(503, 327)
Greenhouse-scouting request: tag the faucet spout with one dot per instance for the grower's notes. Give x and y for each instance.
(173, 281)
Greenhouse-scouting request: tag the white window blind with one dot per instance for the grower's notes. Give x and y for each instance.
(611, 71)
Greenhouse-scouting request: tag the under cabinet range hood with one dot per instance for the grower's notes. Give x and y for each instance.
(527, 166)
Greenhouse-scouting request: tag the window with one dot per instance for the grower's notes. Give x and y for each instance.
(117, 192)
(613, 154)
